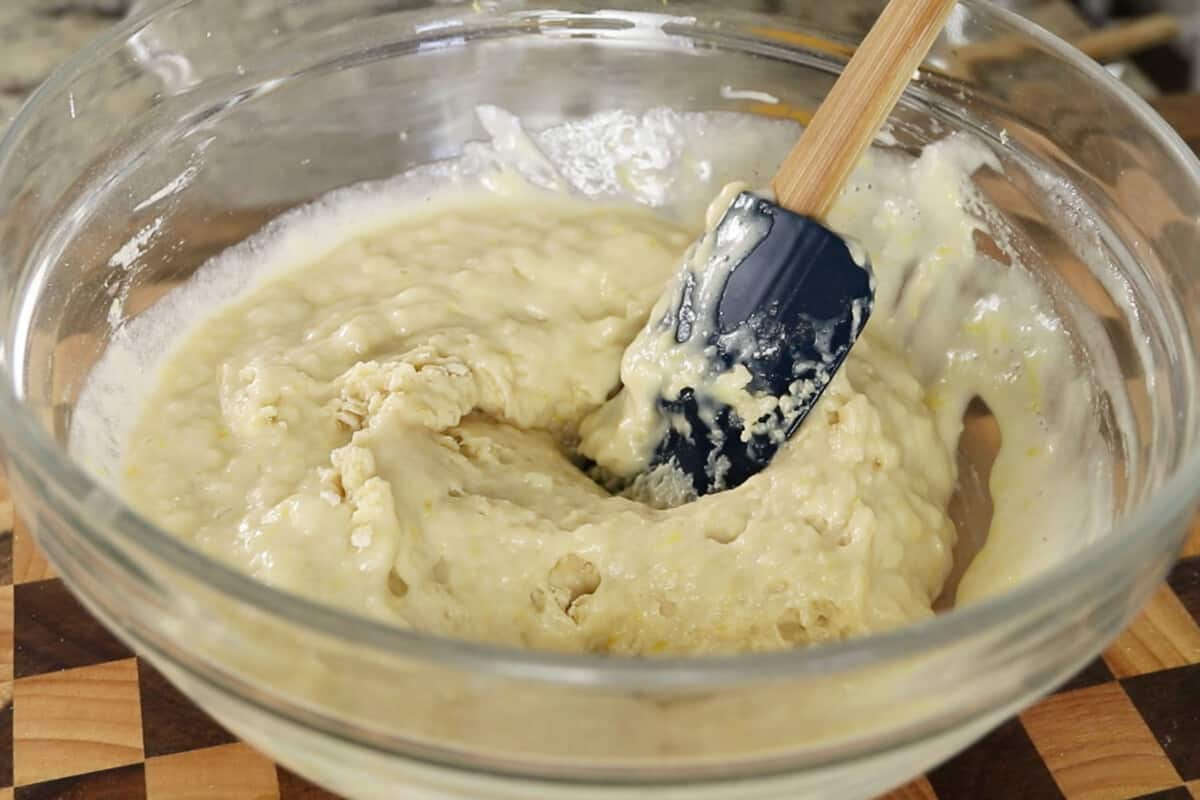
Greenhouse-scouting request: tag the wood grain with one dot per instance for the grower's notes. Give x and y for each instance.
(1130, 36)
(849, 118)
(29, 564)
(1106, 44)
(917, 790)
(118, 783)
(170, 722)
(53, 632)
(6, 633)
(1097, 746)
(76, 721)
(293, 787)
(1191, 547)
(6, 504)
(230, 772)
(1164, 636)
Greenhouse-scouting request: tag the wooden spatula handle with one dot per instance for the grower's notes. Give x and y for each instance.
(846, 123)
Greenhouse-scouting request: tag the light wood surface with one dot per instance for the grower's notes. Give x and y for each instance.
(846, 123)
(1097, 745)
(1164, 637)
(1106, 44)
(230, 772)
(29, 564)
(1127, 38)
(76, 721)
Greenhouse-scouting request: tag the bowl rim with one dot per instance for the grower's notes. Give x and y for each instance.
(27, 443)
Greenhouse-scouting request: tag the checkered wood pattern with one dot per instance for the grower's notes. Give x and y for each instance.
(1127, 726)
(82, 718)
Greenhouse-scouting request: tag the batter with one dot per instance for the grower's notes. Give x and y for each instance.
(386, 418)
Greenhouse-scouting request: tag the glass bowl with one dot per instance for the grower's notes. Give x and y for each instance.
(185, 129)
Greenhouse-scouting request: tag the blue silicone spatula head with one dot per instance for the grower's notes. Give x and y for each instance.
(791, 302)
(766, 308)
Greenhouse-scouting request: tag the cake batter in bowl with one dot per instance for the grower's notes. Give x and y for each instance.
(1025, 399)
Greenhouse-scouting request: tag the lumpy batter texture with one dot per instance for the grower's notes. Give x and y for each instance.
(387, 422)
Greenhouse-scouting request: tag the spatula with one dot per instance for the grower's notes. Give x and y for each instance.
(770, 301)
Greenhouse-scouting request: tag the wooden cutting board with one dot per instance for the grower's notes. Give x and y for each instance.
(85, 719)
(82, 718)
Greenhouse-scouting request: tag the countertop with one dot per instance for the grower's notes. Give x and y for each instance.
(81, 717)
(38, 35)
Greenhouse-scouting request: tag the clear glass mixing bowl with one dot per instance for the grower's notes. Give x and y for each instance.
(183, 131)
